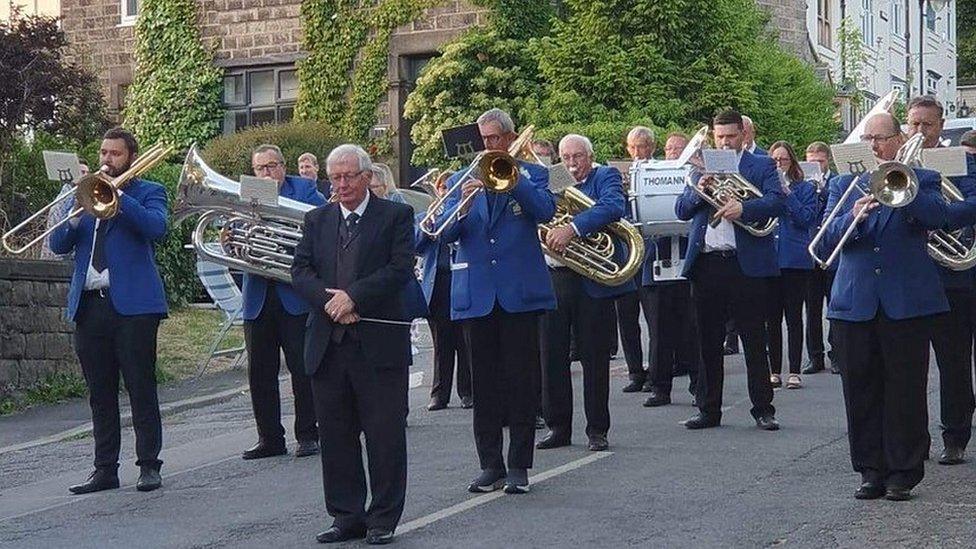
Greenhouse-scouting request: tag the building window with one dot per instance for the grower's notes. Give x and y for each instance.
(867, 22)
(823, 23)
(932, 80)
(264, 95)
(929, 16)
(130, 11)
(897, 17)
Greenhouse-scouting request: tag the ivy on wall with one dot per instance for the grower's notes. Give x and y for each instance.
(343, 79)
(175, 95)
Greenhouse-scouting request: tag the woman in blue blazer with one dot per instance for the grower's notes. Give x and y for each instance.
(792, 239)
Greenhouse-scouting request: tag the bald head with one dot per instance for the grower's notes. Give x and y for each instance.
(883, 133)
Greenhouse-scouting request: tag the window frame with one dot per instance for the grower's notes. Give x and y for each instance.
(283, 108)
(867, 22)
(824, 24)
(127, 19)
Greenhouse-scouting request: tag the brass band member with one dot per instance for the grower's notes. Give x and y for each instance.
(882, 307)
(952, 337)
(583, 305)
(730, 272)
(117, 300)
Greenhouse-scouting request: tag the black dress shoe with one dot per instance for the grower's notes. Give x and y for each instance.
(767, 423)
(379, 536)
(488, 481)
(552, 440)
(336, 534)
(703, 421)
(307, 448)
(952, 455)
(149, 479)
(539, 423)
(517, 481)
(869, 490)
(467, 402)
(813, 366)
(896, 493)
(834, 367)
(436, 404)
(597, 443)
(657, 399)
(648, 387)
(99, 480)
(263, 450)
(731, 346)
(633, 387)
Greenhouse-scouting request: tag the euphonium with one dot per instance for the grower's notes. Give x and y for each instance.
(255, 238)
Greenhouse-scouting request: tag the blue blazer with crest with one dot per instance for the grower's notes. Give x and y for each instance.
(885, 263)
(256, 287)
(136, 287)
(757, 256)
(499, 259)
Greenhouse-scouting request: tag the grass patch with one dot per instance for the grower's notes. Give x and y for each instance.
(182, 344)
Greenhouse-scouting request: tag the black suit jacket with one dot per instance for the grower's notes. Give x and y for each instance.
(383, 267)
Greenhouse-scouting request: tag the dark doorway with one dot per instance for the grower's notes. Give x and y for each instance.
(410, 67)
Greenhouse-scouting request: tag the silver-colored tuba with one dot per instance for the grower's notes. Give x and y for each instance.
(252, 237)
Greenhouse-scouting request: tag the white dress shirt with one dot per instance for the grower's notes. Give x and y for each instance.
(359, 209)
(95, 280)
(722, 237)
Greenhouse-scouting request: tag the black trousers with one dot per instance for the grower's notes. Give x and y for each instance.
(884, 369)
(671, 322)
(952, 339)
(786, 300)
(448, 343)
(718, 286)
(819, 284)
(591, 319)
(353, 397)
(628, 308)
(503, 350)
(108, 344)
(274, 331)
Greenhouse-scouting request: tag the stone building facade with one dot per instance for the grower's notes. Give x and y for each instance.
(258, 41)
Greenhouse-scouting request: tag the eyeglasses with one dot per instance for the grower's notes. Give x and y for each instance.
(867, 138)
(340, 177)
(578, 157)
(267, 167)
(491, 139)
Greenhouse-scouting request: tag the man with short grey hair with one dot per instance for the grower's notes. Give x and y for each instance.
(749, 137)
(274, 321)
(584, 307)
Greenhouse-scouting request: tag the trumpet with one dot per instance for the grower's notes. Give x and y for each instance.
(498, 170)
(893, 184)
(96, 194)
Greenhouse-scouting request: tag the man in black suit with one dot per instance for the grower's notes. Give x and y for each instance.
(354, 258)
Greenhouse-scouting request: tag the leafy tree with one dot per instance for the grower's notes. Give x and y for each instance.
(966, 39)
(42, 92)
(175, 95)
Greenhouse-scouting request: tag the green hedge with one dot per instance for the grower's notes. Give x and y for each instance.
(230, 155)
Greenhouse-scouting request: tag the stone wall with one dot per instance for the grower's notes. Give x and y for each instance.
(35, 339)
(788, 19)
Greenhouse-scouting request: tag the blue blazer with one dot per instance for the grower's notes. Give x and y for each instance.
(429, 250)
(793, 235)
(136, 288)
(962, 215)
(885, 263)
(757, 256)
(660, 248)
(760, 151)
(255, 287)
(499, 259)
(604, 185)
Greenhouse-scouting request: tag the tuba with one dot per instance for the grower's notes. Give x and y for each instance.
(947, 248)
(96, 194)
(255, 238)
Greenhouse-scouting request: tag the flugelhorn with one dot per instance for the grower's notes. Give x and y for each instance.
(97, 194)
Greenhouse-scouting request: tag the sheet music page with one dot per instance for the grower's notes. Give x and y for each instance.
(259, 190)
(560, 178)
(811, 171)
(948, 161)
(61, 166)
(720, 161)
(854, 158)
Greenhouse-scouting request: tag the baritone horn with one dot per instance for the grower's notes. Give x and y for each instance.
(498, 170)
(96, 194)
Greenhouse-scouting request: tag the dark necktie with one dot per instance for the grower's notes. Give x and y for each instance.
(351, 229)
(98, 251)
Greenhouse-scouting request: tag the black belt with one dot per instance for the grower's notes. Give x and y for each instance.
(100, 293)
(721, 253)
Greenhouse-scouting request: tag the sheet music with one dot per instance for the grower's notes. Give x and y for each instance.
(948, 161)
(259, 190)
(811, 171)
(854, 158)
(560, 178)
(720, 161)
(61, 166)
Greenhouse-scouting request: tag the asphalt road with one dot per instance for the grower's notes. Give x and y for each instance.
(659, 486)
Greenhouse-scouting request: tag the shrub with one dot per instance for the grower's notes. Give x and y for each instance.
(230, 155)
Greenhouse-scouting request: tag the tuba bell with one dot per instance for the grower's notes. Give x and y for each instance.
(255, 238)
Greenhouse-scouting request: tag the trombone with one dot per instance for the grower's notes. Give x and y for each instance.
(96, 194)
(499, 172)
(893, 184)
